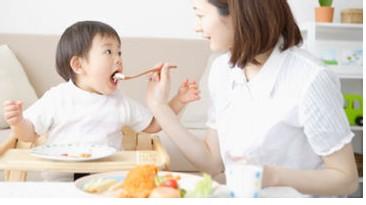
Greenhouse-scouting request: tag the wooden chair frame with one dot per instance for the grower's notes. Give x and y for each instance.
(131, 141)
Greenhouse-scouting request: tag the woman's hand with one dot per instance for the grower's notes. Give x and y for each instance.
(158, 88)
(13, 112)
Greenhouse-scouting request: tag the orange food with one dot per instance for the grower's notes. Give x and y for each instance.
(140, 182)
(85, 155)
(82, 155)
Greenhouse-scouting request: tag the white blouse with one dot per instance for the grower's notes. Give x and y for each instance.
(290, 114)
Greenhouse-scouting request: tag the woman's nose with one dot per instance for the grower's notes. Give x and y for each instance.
(198, 28)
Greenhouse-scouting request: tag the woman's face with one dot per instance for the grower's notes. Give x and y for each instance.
(216, 28)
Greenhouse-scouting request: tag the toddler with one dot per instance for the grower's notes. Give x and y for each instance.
(88, 108)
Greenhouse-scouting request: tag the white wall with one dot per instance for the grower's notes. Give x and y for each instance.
(129, 17)
(159, 18)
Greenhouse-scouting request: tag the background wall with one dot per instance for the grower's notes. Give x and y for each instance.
(159, 18)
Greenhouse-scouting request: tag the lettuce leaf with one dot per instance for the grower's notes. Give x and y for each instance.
(202, 189)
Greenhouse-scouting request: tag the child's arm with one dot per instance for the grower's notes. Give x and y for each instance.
(22, 128)
(338, 177)
(188, 92)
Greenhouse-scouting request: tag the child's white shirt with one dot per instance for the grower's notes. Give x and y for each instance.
(68, 114)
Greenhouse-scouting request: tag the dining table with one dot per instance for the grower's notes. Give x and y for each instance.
(19, 160)
(40, 189)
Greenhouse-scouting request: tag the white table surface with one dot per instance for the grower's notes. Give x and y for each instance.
(69, 190)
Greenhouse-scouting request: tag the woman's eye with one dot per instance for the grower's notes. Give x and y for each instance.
(119, 53)
(108, 51)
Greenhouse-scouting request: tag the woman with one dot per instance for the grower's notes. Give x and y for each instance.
(271, 102)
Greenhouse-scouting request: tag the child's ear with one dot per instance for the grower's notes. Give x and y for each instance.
(75, 64)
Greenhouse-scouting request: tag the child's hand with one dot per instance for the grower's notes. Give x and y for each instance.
(188, 92)
(13, 112)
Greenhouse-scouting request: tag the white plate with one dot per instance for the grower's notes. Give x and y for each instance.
(187, 181)
(72, 152)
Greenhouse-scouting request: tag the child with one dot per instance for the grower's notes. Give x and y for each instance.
(88, 108)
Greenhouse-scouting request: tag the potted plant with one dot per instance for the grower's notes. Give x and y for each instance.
(325, 12)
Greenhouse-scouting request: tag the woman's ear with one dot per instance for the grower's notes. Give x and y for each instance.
(75, 64)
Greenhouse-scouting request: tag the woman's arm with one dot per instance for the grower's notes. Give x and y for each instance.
(338, 177)
(187, 93)
(204, 154)
(154, 126)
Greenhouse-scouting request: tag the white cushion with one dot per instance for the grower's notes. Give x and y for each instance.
(14, 84)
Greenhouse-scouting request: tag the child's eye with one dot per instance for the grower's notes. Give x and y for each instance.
(108, 51)
(119, 53)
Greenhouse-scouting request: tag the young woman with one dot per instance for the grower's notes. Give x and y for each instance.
(270, 101)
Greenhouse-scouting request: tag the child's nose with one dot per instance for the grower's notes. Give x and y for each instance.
(118, 61)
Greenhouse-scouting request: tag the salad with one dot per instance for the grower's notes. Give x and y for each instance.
(144, 181)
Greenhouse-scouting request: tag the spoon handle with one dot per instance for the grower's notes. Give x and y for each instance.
(147, 72)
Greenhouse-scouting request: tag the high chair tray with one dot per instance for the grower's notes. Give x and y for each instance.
(22, 160)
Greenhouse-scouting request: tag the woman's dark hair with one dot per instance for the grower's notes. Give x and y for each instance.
(258, 25)
(77, 41)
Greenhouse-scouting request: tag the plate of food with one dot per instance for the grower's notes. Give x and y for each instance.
(72, 152)
(145, 181)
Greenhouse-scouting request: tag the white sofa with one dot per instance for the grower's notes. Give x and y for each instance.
(36, 53)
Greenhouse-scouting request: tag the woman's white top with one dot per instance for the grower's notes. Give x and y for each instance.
(290, 114)
(69, 114)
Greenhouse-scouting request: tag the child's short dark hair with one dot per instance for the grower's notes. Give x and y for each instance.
(77, 41)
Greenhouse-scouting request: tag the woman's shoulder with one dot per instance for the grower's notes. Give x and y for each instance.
(303, 70)
(301, 58)
(220, 60)
(302, 64)
(220, 65)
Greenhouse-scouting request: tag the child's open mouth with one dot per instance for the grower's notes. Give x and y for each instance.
(113, 79)
(116, 76)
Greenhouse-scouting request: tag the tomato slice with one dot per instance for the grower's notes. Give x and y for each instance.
(170, 183)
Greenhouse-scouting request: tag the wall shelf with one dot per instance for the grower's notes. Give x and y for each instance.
(330, 26)
(356, 128)
(337, 31)
(335, 40)
(345, 72)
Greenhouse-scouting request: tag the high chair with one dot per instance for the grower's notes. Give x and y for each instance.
(138, 148)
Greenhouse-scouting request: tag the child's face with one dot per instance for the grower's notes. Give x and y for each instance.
(104, 59)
